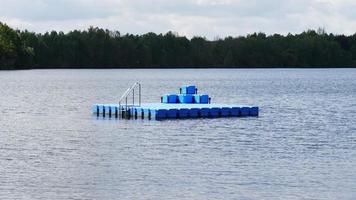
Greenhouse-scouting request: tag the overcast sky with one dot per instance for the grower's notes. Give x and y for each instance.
(209, 18)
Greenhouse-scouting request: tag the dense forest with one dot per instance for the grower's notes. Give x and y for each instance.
(99, 48)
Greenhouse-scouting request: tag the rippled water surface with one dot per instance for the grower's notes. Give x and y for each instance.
(303, 145)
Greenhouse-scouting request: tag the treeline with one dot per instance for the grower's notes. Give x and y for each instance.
(99, 48)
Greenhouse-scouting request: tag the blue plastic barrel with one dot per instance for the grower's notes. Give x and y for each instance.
(201, 98)
(204, 99)
(138, 111)
(96, 108)
(188, 89)
(254, 111)
(146, 112)
(113, 108)
(204, 112)
(225, 112)
(172, 113)
(183, 113)
(185, 98)
(194, 112)
(235, 111)
(245, 111)
(107, 109)
(160, 114)
(170, 98)
(215, 112)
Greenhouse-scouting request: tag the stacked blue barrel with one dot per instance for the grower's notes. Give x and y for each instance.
(188, 94)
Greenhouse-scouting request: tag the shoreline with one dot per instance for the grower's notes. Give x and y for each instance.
(172, 68)
(133, 68)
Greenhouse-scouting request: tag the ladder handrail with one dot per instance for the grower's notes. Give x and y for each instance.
(127, 93)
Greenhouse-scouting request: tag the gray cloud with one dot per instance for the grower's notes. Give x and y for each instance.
(47, 10)
(271, 8)
(210, 18)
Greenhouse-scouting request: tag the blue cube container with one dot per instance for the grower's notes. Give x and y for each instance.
(139, 112)
(165, 98)
(194, 112)
(204, 99)
(110, 110)
(215, 112)
(146, 112)
(160, 114)
(205, 112)
(254, 111)
(132, 111)
(185, 98)
(114, 109)
(245, 111)
(188, 89)
(172, 113)
(107, 109)
(235, 111)
(183, 113)
(170, 98)
(201, 98)
(225, 112)
(97, 108)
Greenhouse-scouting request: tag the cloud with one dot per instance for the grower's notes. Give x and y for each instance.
(209, 18)
(46, 10)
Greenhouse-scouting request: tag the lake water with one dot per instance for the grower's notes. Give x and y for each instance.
(303, 145)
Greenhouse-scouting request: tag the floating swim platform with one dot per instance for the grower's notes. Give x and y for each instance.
(175, 111)
(186, 105)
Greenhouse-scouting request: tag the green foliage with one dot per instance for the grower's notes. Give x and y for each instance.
(99, 48)
(13, 52)
(8, 47)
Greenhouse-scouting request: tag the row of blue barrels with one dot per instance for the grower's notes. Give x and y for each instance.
(152, 113)
(107, 110)
(186, 99)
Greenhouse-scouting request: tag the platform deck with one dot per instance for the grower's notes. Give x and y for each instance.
(160, 111)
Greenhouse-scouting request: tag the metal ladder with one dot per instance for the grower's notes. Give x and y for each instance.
(124, 107)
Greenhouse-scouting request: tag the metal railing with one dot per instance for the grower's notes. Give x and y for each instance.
(125, 105)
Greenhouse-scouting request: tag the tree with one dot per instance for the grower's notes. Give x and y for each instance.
(9, 44)
(100, 48)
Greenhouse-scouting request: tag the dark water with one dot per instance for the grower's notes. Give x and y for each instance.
(303, 146)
